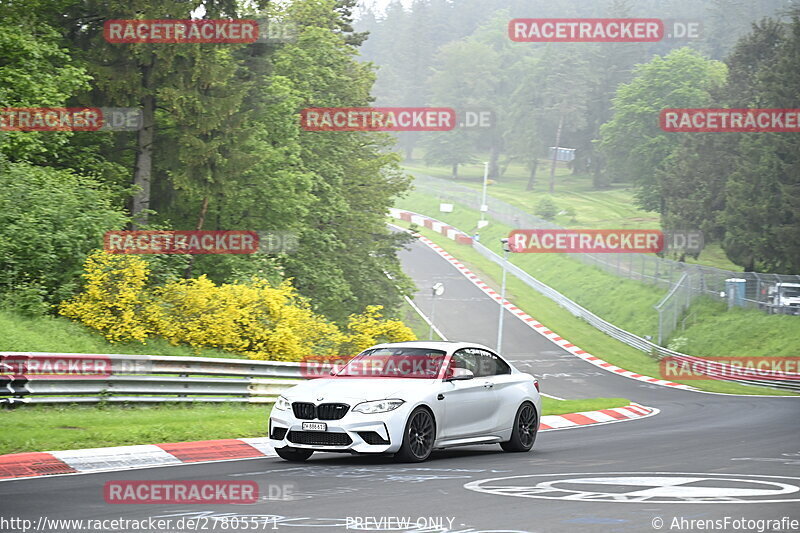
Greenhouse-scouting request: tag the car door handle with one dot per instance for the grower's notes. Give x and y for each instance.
(488, 385)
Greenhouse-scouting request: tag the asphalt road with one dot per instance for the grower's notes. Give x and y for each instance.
(703, 458)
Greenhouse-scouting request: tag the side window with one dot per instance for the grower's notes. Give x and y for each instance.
(482, 363)
(502, 367)
(463, 359)
(487, 364)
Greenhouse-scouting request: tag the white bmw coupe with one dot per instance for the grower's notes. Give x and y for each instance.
(408, 399)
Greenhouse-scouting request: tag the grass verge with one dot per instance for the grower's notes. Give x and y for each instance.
(43, 428)
(551, 406)
(61, 335)
(613, 207)
(566, 325)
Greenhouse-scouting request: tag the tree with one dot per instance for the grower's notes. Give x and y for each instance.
(451, 148)
(762, 208)
(345, 250)
(632, 141)
(35, 72)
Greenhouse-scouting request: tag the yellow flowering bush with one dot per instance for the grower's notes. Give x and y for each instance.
(370, 328)
(254, 318)
(113, 301)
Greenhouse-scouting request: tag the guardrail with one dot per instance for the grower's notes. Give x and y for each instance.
(143, 379)
(631, 339)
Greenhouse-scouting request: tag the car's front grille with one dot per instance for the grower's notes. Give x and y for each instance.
(321, 438)
(372, 437)
(332, 411)
(304, 411)
(324, 411)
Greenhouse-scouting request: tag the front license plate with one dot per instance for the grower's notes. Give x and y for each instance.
(314, 426)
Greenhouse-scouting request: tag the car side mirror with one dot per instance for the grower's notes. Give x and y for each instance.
(459, 374)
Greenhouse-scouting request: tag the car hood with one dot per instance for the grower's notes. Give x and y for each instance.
(351, 390)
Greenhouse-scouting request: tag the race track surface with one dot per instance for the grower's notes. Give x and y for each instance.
(704, 457)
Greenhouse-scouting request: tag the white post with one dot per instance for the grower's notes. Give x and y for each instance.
(433, 315)
(436, 290)
(483, 198)
(502, 299)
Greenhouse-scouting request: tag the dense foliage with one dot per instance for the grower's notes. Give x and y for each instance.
(221, 148)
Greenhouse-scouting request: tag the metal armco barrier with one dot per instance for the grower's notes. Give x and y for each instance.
(631, 339)
(147, 379)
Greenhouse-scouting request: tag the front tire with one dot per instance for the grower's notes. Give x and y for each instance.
(418, 437)
(526, 425)
(295, 455)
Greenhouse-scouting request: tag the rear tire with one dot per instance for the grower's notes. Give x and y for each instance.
(523, 434)
(418, 437)
(296, 455)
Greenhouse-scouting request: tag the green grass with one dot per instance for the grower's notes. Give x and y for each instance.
(712, 330)
(577, 331)
(42, 428)
(611, 208)
(412, 319)
(616, 299)
(551, 406)
(60, 335)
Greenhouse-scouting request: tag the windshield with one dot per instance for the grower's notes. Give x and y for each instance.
(791, 294)
(417, 363)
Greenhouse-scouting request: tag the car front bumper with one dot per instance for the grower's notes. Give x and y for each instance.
(354, 433)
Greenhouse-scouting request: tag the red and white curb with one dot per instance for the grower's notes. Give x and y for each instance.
(591, 418)
(532, 322)
(115, 458)
(90, 460)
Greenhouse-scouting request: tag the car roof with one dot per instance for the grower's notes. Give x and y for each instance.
(446, 346)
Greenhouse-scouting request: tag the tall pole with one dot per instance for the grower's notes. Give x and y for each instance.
(483, 198)
(502, 299)
(433, 315)
(555, 154)
(436, 290)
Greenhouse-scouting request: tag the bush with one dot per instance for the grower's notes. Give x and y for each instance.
(256, 318)
(114, 301)
(546, 209)
(50, 220)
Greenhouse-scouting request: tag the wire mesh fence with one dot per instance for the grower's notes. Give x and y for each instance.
(682, 282)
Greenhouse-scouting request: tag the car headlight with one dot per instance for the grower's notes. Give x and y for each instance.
(282, 404)
(377, 406)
